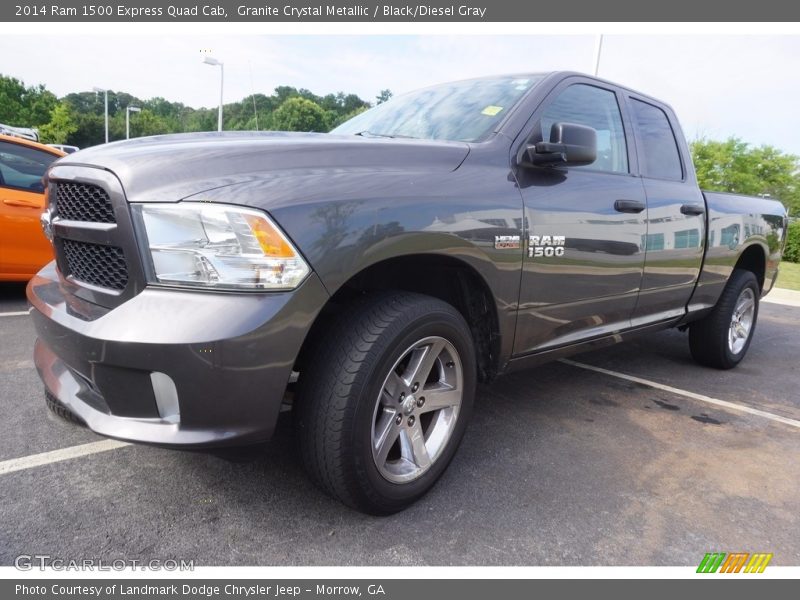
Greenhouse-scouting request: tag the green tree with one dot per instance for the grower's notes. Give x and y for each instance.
(300, 114)
(792, 251)
(22, 106)
(735, 166)
(339, 120)
(33, 106)
(90, 130)
(11, 106)
(383, 96)
(60, 127)
(147, 123)
(40, 102)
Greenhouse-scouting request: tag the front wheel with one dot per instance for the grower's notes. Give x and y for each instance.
(721, 339)
(384, 399)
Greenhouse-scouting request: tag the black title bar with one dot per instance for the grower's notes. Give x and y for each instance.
(732, 588)
(382, 11)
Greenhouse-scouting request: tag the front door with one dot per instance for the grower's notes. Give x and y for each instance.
(585, 228)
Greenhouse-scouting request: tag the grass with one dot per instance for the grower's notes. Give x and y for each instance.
(789, 276)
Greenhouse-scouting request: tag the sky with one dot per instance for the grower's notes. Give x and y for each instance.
(719, 85)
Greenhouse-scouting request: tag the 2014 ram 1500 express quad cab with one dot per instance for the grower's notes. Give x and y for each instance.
(381, 271)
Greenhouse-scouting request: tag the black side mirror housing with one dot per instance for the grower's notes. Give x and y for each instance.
(572, 145)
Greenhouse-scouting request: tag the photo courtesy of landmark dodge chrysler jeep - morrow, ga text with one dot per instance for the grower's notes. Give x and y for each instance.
(375, 274)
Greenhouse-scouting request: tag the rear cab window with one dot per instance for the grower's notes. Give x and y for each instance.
(659, 154)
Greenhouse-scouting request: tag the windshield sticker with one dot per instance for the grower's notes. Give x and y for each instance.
(491, 110)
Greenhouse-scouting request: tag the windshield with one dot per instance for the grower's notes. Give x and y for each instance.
(465, 111)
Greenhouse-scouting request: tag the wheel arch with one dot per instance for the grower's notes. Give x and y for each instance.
(753, 258)
(447, 278)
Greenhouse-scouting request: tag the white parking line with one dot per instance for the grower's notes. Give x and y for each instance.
(19, 313)
(673, 390)
(46, 458)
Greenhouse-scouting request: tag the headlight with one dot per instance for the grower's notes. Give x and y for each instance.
(218, 246)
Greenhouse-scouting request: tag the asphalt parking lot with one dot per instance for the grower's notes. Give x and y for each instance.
(560, 466)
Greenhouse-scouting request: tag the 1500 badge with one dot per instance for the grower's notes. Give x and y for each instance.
(546, 245)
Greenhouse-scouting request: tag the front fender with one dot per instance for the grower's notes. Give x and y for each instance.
(346, 221)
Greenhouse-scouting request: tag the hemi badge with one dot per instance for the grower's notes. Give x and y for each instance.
(506, 242)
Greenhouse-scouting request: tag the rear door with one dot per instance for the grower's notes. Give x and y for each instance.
(676, 223)
(23, 247)
(583, 226)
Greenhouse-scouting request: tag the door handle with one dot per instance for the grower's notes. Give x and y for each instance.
(629, 206)
(693, 209)
(23, 203)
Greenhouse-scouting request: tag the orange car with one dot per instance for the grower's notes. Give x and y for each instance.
(23, 248)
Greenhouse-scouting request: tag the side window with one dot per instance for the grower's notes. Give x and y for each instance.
(661, 158)
(23, 167)
(597, 108)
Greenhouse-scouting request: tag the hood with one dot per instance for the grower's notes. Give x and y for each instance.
(173, 167)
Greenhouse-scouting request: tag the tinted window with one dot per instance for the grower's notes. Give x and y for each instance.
(464, 111)
(596, 108)
(659, 149)
(23, 167)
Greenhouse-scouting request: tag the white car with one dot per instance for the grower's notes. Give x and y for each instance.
(65, 148)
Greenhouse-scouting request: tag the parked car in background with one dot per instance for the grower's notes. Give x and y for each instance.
(23, 247)
(21, 132)
(65, 148)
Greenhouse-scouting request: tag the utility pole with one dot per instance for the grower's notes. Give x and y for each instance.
(210, 60)
(597, 50)
(128, 111)
(105, 96)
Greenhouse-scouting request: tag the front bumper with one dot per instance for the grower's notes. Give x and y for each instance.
(169, 367)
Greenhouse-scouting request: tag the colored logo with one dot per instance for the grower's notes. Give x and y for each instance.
(734, 562)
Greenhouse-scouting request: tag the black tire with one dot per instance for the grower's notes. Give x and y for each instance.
(708, 337)
(340, 384)
(60, 410)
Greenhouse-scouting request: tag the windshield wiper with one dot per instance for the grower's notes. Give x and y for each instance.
(367, 133)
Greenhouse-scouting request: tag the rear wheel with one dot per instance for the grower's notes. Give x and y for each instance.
(384, 399)
(721, 339)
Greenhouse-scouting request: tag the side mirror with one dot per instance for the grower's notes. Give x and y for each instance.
(572, 145)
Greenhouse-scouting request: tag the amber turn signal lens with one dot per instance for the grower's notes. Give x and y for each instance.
(271, 242)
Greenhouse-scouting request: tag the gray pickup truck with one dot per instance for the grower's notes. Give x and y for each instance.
(372, 276)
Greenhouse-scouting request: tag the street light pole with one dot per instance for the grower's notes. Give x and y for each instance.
(598, 49)
(105, 94)
(210, 60)
(128, 111)
(221, 87)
